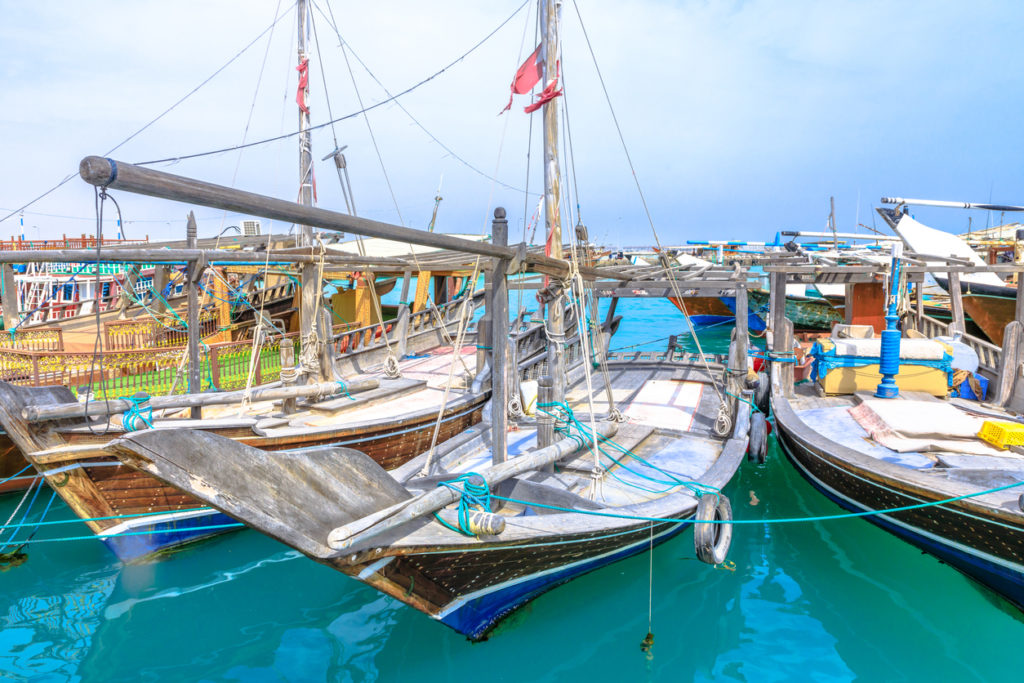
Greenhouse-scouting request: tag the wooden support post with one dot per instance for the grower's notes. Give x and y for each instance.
(919, 300)
(128, 291)
(406, 281)
(742, 333)
(288, 375)
(848, 303)
(327, 372)
(777, 311)
(161, 276)
(1009, 362)
(401, 329)
(1019, 307)
(9, 296)
(956, 301)
(498, 307)
(192, 283)
(545, 422)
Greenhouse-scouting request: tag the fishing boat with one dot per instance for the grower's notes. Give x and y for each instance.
(391, 419)
(622, 454)
(913, 463)
(505, 533)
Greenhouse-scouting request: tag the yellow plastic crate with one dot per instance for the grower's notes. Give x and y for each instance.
(1002, 434)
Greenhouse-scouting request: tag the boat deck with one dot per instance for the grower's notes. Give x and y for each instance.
(935, 437)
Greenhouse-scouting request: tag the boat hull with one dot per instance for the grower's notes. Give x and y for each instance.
(161, 517)
(471, 592)
(806, 313)
(986, 549)
(990, 313)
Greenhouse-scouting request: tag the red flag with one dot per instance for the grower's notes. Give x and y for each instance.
(549, 92)
(527, 76)
(300, 96)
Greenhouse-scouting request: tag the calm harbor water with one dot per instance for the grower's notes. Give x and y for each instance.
(817, 601)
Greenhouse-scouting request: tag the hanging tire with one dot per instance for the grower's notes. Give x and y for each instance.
(763, 392)
(757, 446)
(711, 537)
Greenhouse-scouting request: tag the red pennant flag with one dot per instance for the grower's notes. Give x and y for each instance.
(549, 92)
(527, 76)
(300, 96)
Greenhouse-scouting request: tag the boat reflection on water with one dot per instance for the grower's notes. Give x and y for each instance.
(47, 635)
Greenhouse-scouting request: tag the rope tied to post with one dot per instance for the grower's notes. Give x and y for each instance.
(139, 415)
(473, 496)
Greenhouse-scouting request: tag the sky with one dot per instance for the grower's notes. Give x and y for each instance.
(741, 118)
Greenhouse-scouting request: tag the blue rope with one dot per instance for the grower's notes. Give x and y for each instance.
(32, 502)
(343, 389)
(140, 410)
(571, 422)
(472, 495)
(783, 520)
(14, 476)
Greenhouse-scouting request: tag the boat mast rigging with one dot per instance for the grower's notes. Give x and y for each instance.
(549, 13)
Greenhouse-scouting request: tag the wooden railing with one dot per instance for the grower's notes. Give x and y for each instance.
(988, 353)
(148, 333)
(63, 242)
(47, 339)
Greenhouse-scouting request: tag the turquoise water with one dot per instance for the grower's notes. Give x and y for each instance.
(820, 601)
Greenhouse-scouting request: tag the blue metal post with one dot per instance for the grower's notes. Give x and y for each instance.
(889, 365)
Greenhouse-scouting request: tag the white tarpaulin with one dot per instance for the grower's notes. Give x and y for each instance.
(924, 240)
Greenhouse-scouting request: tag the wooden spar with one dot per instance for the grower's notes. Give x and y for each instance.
(312, 339)
(951, 205)
(192, 280)
(101, 172)
(357, 534)
(498, 307)
(9, 296)
(63, 410)
(555, 314)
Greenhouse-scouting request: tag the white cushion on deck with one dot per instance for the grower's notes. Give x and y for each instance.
(910, 349)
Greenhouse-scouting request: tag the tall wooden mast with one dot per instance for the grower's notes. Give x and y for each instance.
(549, 13)
(314, 353)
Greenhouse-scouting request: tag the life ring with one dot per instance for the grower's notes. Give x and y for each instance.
(712, 530)
(757, 446)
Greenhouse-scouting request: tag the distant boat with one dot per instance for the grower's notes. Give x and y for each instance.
(987, 300)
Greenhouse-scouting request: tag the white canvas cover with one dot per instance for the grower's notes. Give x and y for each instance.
(924, 240)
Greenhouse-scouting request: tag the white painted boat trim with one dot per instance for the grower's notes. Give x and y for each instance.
(148, 520)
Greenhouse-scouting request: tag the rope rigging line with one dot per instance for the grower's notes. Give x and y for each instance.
(663, 257)
(345, 44)
(160, 116)
(351, 115)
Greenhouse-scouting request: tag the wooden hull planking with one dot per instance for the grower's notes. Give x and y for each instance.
(976, 539)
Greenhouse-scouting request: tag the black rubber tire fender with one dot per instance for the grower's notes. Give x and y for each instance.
(712, 539)
(757, 446)
(763, 392)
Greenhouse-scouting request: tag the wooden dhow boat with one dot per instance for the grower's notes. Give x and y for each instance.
(498, 516)
(913, 464)
(390, 419)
